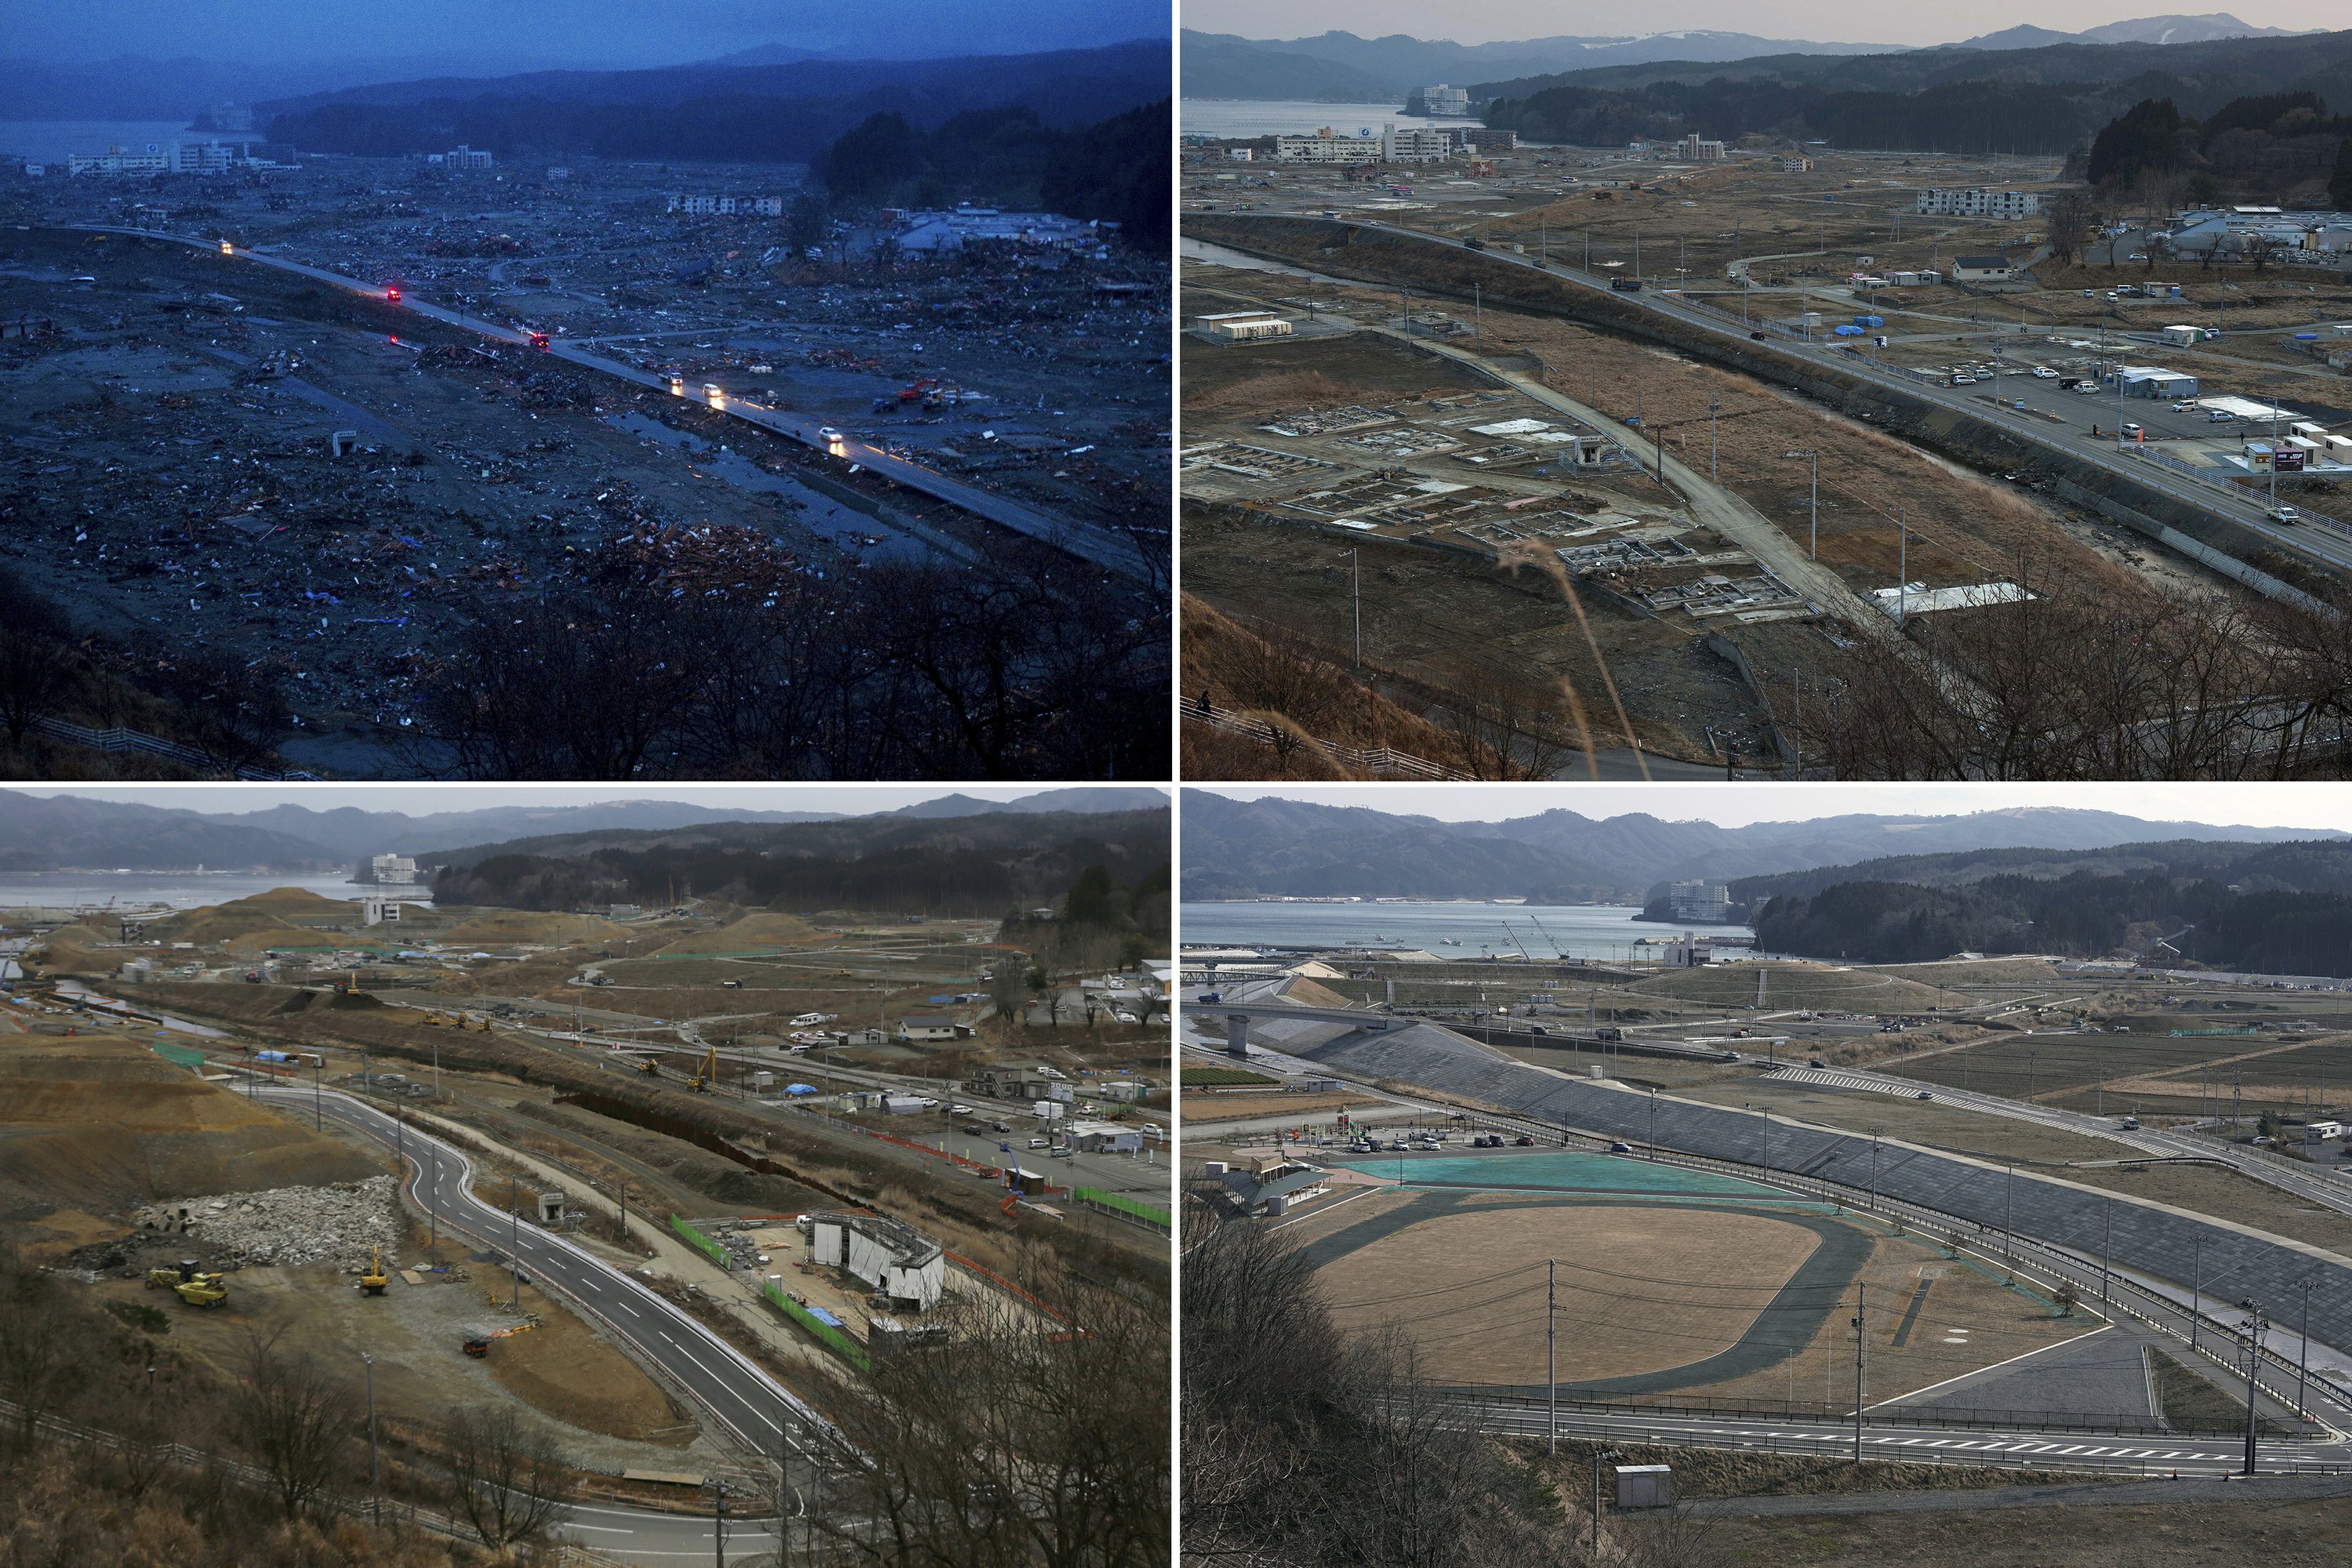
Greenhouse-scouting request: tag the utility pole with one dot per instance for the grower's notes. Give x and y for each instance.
(1551, 1375)
(514, 1236)
(1711, 406)
(1902, 570)
(1861, 1343)
(1355, 571)
(1874, 1169)
(2196, 1287)
(375, 1473)
(1478, 315)
(1597, 1459)
(719, 1527)
(2302, 1364)
(2106, 1249)
(432, 1205)
(2253, 1354)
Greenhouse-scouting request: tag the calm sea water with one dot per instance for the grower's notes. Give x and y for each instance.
(1572, 930)
(182, 889)
(1261, 116)
(52, 141)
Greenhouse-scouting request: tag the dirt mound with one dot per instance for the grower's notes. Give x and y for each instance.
(562, 1367)
(1792, 986)
(75, 949)
(762, 932)
(1978, 971)
(292, 911)
(505, 927)
(1308, 993)
(95, 1124)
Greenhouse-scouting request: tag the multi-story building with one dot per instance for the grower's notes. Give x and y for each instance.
(1323, 147)
(1444, 100)
(1793, 165)
(1700, 901)
(1415, 144)
(1488, 140)
(1977, 202)
(1696, 149)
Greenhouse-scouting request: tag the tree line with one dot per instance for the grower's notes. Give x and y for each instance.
(1970, 116)
(2256, 144)
(934, 870)
(2273, 930)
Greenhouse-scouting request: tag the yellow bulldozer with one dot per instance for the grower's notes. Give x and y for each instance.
(195, 1287)
(375, 1279)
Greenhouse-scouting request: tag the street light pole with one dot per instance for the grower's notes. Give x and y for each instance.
(376, 1472)
(1551, 1375)
(2253, 1353)
(1861, 1343)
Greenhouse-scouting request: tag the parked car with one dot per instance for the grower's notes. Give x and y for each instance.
(2043, 373)
(1526, 1142)
(1621, 1148)
(1923, 1094)
(2285, 514)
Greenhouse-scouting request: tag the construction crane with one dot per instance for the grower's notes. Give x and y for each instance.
(198, 1289)
(1516, 942)
(1557, 950)
(375, 1279)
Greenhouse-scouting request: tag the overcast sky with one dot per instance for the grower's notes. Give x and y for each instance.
(1821, 21)
(419, 799)
(1734, 806)
(505, 34)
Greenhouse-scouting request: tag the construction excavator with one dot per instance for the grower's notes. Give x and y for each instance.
(375, 1279)
(478, 1341)
(706, 1072)
(198, 1289)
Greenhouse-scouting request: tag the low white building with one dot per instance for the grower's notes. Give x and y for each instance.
(1243, 326)
(1981, 270)
(969, 225)
(2155, 381)
(1103, 1138)
(1975, 201)
(926, 1029)
(895, 1259)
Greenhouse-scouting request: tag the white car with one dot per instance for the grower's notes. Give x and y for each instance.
(809, 1020)
(959, 1109)
(1964, 379)
(2220, 417)
(2286, 514)
(1154, 1129)
(2187, 407)
(2043, 373)
(835, 441)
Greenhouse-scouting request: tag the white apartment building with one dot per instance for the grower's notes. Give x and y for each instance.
(1444, 100)
(1325, 148)
(1700, 901)
(1978, 202)
(1415, 144)
(1695, 149)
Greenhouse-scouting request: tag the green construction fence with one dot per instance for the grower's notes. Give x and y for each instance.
(1124, 1205)
(824, 1333)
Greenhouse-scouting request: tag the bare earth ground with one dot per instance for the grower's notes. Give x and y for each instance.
(1233, 1108)
(1484, 1329)
(2168, 1535)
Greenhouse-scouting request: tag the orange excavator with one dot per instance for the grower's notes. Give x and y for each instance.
(478, 1341)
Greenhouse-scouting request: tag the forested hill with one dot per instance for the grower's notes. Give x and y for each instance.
(744, 115)
(1952, 100)
(2315, 865)
(978, 866)
(2282, 909)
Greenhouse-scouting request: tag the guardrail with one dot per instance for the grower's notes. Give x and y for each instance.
(118, 739)
(1371, 759)
(1158, 1218)
(2118, 1424)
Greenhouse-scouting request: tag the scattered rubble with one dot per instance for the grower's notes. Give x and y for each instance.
(287, 1225)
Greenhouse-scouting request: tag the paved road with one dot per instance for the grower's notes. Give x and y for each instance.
(2317, 543)
(2318, 1184)
(759, 1413)
(1097, 546)
(1883, 1439)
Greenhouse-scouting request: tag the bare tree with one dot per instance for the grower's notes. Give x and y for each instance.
(2070, 216)
(43, 1356)
(293, 1418)
(35, 666)
(1501, 727)
(512, 1477)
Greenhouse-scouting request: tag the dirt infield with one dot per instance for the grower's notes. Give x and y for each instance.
(1467, 1287)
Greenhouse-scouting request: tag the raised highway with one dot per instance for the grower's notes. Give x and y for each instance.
(1122, 554)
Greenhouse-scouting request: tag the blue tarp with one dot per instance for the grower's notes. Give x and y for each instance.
(827, 1318)
(799, 1089)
